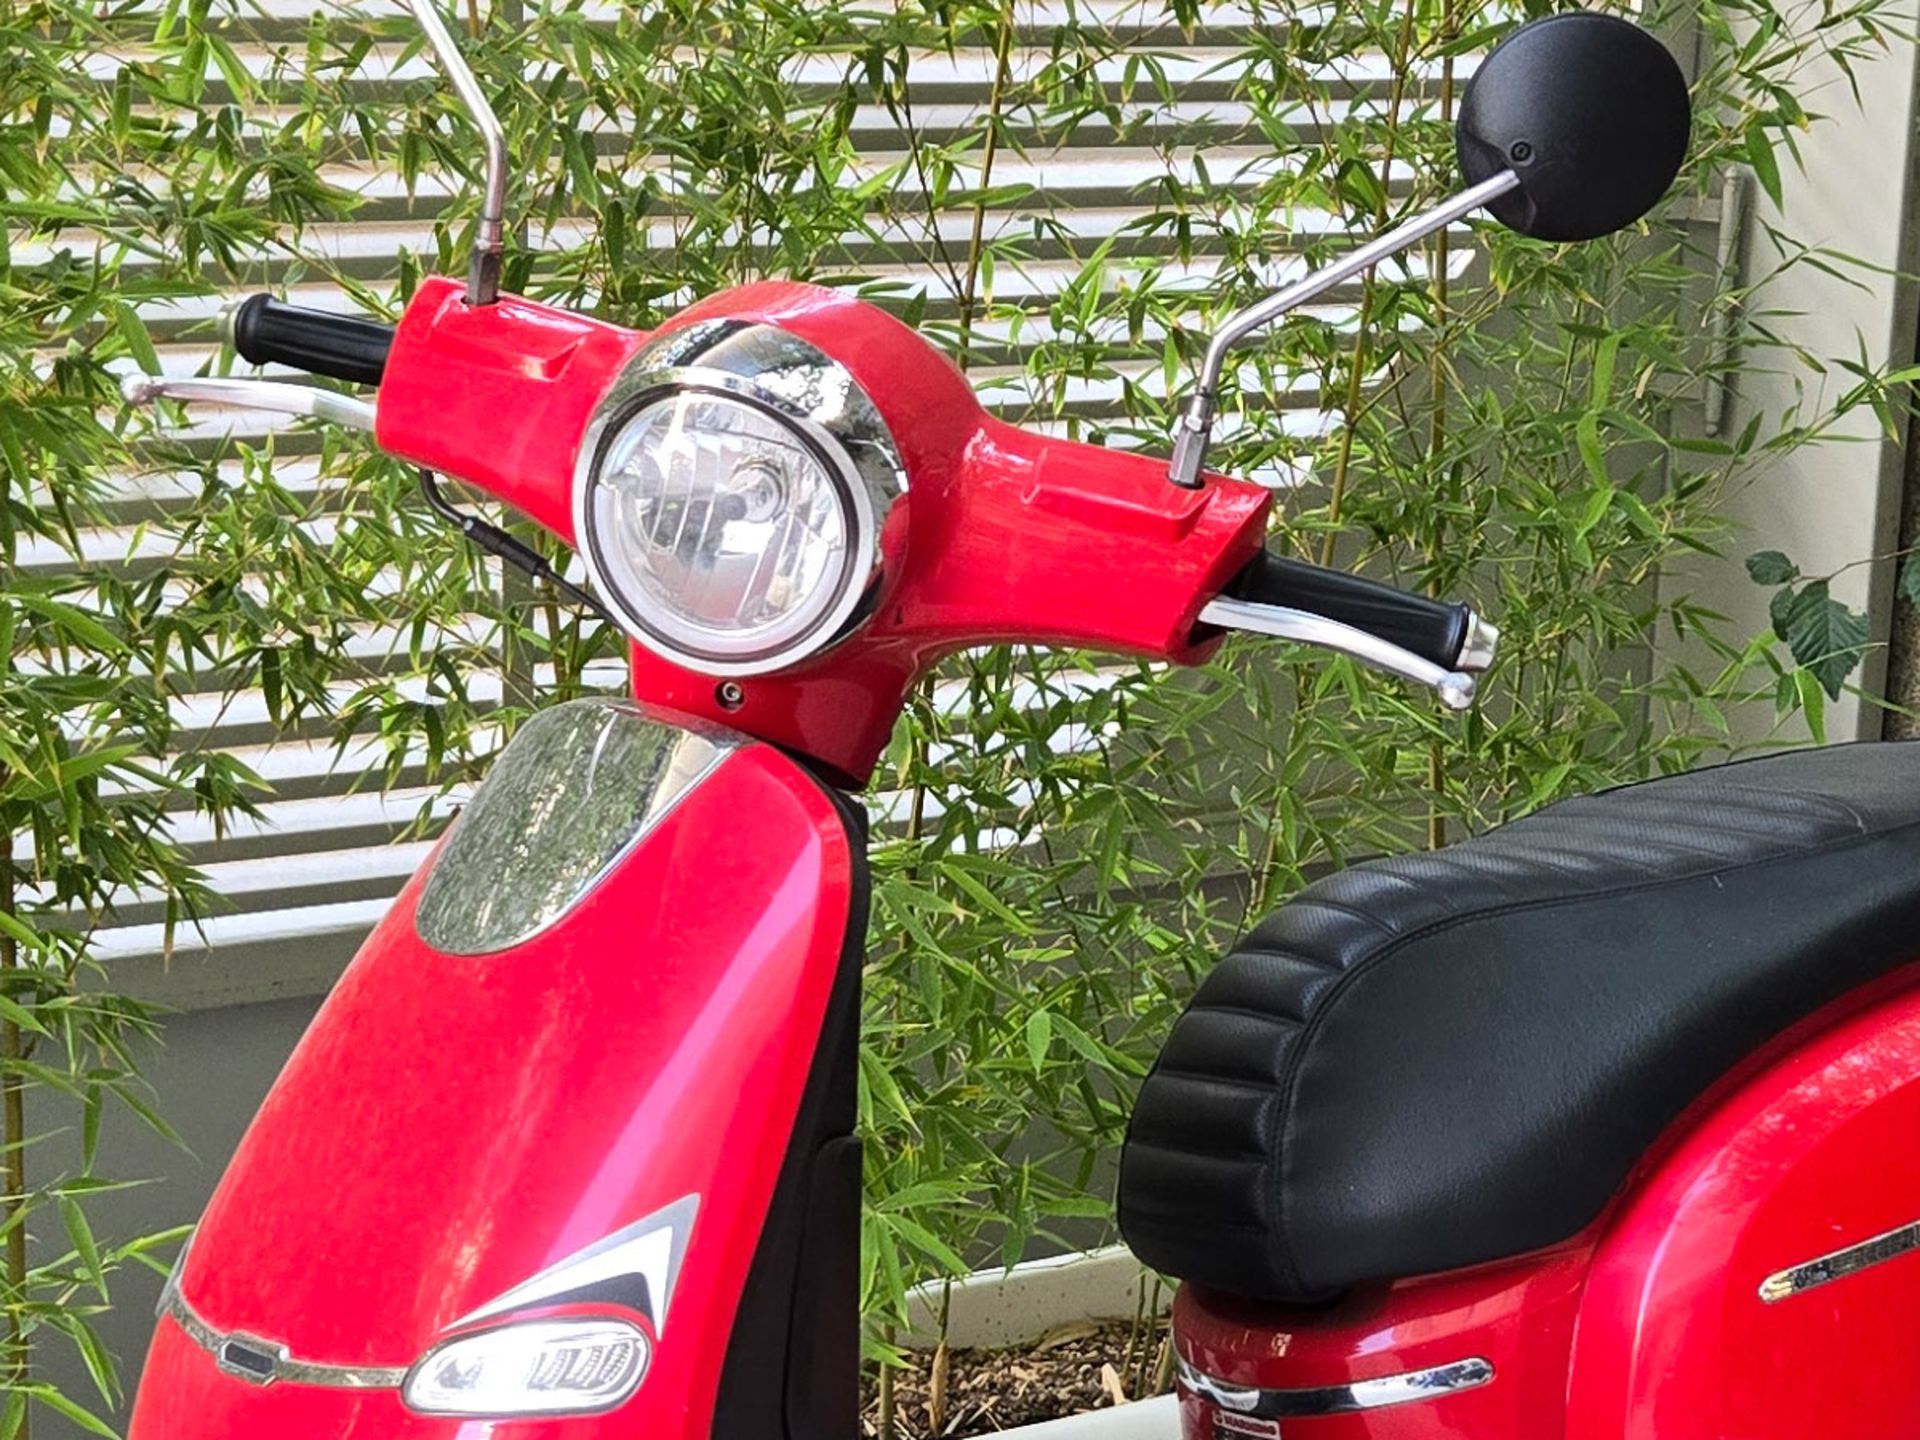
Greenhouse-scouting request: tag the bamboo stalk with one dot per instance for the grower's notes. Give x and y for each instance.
(13, 1107)
(976, 240)
(1356, 376)
(1437, 431)
(886, 1427)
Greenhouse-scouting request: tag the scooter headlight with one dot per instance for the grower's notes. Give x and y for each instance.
(536, 1367)
(730, 497)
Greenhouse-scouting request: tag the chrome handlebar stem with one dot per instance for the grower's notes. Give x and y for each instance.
(483, 270)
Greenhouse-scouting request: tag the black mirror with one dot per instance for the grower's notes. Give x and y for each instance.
(1591, 115)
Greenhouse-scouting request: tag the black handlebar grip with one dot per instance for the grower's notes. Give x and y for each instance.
(1428, 628)
(344, 347)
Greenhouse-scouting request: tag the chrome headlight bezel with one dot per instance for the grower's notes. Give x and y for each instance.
(813, 398)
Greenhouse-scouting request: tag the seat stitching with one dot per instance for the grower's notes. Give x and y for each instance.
(1533, 856)
(1715, 770)
(1307, 897)
(1290, 1075)
(1811, 799)
(1250, 1013)
(1200, 1077)
(1721, 803)
(1277, 952)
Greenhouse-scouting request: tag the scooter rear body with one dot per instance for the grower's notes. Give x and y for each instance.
(647, 937)
(1759, 1280)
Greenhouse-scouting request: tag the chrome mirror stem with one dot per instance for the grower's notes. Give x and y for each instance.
(483, 270)
(1195, 426)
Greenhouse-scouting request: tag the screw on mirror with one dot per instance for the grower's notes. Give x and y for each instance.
(497, 542)
(483, 269)
(1589, 110)
(1195, 425)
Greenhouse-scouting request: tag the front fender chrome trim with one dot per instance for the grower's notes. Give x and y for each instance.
(1798, 1279)
(263, 1362)
(1377, 1394)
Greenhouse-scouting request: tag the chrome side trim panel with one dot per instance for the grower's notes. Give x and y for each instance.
(578, 788)
(262, 1362)
(1811, 1275)
(1377, 1394)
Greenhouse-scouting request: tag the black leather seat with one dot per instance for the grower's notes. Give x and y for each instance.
(1442, 1059)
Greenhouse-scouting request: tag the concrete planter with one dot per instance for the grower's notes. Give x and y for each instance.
(996, 1309)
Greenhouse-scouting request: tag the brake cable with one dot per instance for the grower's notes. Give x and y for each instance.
(498, 543)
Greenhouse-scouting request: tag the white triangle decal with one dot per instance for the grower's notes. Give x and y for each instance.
(651, 1249)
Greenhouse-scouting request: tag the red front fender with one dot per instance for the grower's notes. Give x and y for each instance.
(455, 1124)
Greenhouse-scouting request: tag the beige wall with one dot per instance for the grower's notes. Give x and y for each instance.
(1832, 504)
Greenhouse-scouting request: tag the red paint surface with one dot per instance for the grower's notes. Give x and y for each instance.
(1518, 1316)
(450, 1126)
(1003, 536)
(1650, 1325)
(1817, 1154)
(497, 395)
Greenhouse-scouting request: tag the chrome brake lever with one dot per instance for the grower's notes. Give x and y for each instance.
(1456, 688)
(274, 396)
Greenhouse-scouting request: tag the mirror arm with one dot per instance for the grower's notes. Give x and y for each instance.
(483, 270)
(1195, 425)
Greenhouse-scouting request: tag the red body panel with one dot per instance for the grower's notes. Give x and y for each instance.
(498, 395)
(1003, 535)
(450, 1126)
(1651, 1326)
(1817, 1154)
(1519, 1316)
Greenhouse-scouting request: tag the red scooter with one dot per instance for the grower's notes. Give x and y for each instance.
(1605, 1124)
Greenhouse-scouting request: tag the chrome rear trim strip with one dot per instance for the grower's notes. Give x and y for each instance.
(1841, 1263)
(1377, 1394)
(262, 1362)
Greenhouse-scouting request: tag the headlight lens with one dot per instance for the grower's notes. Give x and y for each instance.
(731, 538)
(537, 1367)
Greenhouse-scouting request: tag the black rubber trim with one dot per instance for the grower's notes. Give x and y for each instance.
(1430, 629)
(793, 1361)
(266, 331)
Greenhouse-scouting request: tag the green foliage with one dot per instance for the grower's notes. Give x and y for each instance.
(1825, 636)
(94, 765)
(1064, 843)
